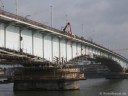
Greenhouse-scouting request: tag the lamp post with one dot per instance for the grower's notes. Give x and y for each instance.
(51, 15)
(82, 29)
(66, 18)
(16, 7)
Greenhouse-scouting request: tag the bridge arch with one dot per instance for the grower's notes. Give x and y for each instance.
(112, 65)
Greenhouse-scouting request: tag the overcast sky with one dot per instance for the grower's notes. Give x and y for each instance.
(104, 21)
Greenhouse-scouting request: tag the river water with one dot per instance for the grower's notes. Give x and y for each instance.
(89, 87)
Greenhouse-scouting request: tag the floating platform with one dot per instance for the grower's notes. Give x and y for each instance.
(47, 79)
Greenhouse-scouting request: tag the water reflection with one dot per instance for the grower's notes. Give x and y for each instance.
(89, 87)
(94, 87)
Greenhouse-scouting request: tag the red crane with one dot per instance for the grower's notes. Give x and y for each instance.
(68, 30)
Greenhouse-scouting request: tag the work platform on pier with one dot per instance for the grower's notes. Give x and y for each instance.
(47, 79)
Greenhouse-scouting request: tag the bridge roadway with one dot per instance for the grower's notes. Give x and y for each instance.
(22, 39)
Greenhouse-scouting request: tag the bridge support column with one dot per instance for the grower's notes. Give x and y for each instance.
(43, 44)
(5, 29)
(66, 49)
(32, 42)
(59, 49)
(20, 39)
(52, 48)
(45, 85)
(117, 75)
(47, 79)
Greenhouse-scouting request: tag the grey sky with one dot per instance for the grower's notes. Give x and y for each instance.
(105, 21)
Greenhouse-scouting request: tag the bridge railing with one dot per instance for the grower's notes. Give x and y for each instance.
(37, 23)
(33, 22)
(27, 20)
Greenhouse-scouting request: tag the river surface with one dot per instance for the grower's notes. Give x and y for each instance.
(89, 87)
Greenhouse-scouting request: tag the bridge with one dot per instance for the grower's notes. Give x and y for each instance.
(29, 43)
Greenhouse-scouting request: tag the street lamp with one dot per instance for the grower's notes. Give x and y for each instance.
(82, 29)
(66, 18)
(16, 7)
(51, 15)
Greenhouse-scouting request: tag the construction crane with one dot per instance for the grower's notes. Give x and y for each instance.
(68, 30)
(68, 27)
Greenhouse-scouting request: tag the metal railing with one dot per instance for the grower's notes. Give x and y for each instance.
(27, 20)
(37, 24)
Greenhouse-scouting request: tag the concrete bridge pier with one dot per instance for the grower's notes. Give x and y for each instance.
(45, 85)
(47, 79)
(117, 75)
